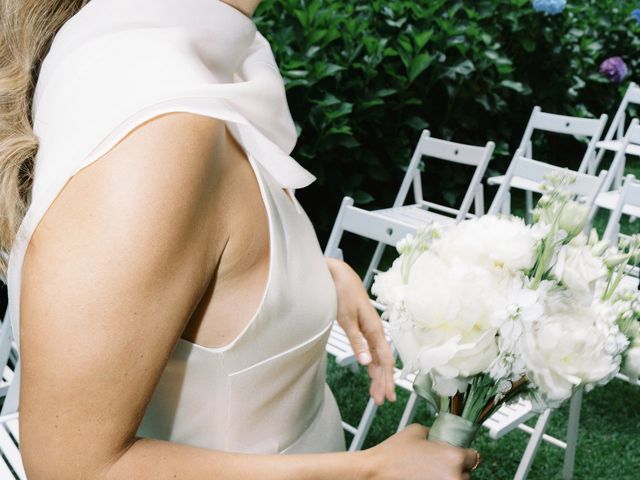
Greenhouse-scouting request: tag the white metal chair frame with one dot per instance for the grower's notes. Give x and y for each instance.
(608, 198)
(591, 128)
(368, 225)
(421, 211)
(10, 460)
(628, 204)
(588, 187)
(613, 138)
(630, 196)
(533, 172)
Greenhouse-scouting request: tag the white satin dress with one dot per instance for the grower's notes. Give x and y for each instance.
(113, 66)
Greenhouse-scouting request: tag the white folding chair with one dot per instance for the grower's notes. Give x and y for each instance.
(629, 198)
(372, 226)
(608, 199)
(422, 212)
(612, 141)
(591, 128)
(628, 204)
(7, 353)
(10, 461)
(509, 417)
(528, 174)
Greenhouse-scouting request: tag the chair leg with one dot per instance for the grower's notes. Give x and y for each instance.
(363, 426)
(532, 446)
(479, 201)
(375, 261)
(619, 174)
(572, 435)
(506, 204)
(409, 411)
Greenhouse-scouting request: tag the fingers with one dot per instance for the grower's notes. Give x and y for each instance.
(472, 459)
(358, 343)
(371, 327)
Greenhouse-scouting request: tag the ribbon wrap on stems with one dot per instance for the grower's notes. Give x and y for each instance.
(454, 430)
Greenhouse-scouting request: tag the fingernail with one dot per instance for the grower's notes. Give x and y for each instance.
(364, 358)
(393, 396)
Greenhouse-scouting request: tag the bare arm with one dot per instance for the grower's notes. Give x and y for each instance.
(111, 277)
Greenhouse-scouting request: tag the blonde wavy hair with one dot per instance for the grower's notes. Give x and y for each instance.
(27, 28)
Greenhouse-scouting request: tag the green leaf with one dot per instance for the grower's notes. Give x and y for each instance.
(515, 86)
(419, 64)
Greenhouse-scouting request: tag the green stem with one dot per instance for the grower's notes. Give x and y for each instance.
(444, 404)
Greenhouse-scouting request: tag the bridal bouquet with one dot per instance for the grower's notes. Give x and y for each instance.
(492, 309)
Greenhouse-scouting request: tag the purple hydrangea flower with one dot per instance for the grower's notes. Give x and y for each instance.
(552, 7)
(614, 69)
(636, 14)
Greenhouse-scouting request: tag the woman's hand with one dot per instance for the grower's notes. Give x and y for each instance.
(409, 456)
(363, 326)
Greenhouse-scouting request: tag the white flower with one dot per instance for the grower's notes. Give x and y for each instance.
(388, 286)
(631, 365)
(523, 307)
(579, 269)
(449, 327)
(453, 295)
(489, 241)
(573, 217)
(568, 349)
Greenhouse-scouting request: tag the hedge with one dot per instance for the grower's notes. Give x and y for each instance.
(364, 78)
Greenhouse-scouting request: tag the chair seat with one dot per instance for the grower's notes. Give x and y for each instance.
(517, 182)
(615, 145)
(10, 461)
(508, 417)
(609, 200)
(415, 215)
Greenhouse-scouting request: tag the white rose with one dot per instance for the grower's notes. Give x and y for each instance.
(579, 269)
(489, 241)
(567, 349)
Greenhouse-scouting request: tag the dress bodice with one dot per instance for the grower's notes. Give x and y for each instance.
(115, 65)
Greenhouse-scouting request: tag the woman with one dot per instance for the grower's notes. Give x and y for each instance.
(170, 296)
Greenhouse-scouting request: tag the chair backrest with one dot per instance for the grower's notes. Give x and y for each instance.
(591, 128)
(472, 155)
(631, 137)
(365, 224)
(617, 127)
(586, 186)
(629, 197)
(10, 404)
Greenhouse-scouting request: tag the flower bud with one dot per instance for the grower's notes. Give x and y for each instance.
(615, 260)
(573, 217)
(599, 248)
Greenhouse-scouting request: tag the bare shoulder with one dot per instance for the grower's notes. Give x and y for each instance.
(147, 192)
(111, 276)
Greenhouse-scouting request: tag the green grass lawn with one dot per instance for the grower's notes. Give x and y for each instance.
(608, 443)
